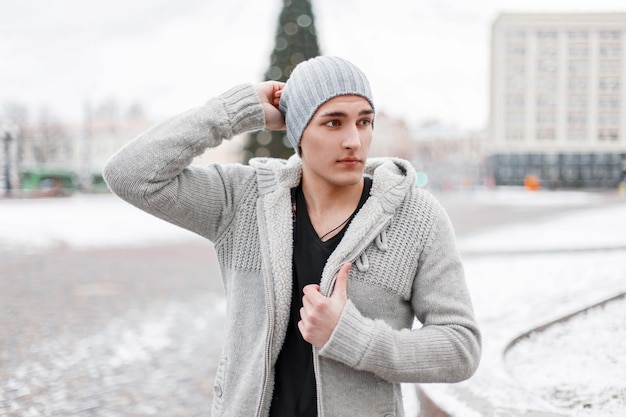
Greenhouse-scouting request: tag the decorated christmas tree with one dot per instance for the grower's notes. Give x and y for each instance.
(296, 41)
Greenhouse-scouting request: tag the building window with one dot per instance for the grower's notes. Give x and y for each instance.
(515, 84)
(578, 51)
(606, 135)
(608, 119)
(515, 68)
(544, 100)
(577, 118)
(609, 67)
(610, 35)
(609, 51)
(547, 34)
(578, 67)
(577, 84)
(514, 117)
(514, 134)
(577, 101)
(516, 50)
(577, 135)
(608, 102)
(546, 118)
(608, 84)
(545, 133)
(514, 100)
(515, 34)
(578, 34)
(546, 65)
(546, 83)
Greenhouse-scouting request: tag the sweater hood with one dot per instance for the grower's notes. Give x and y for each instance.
(393, 179)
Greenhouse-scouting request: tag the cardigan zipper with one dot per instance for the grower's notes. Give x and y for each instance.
(266, 369)
(269, 308)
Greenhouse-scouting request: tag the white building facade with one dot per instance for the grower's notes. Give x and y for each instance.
(558, 99)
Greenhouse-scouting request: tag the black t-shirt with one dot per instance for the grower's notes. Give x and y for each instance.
(295, 393)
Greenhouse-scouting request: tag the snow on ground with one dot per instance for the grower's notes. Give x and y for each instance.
(514, 294)
(82, 221)
(600, 228)
(590, 379)
(521, 277)
(531, 274)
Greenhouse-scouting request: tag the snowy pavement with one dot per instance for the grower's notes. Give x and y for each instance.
(82, 222)
(531, 274)
(522, 276)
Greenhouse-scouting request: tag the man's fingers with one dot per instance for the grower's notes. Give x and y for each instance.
(312, 290)
(319, 315)
(277, 94)
(341, 283)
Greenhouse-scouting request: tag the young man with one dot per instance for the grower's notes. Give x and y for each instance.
(326, 258)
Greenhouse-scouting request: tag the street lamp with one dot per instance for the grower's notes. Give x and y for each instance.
(9, 133)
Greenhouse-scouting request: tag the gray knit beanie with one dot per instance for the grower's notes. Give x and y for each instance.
(314, 82)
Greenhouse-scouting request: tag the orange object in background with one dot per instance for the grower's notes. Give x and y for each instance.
(531, 182)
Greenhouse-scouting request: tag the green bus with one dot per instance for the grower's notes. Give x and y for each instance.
(48, 182)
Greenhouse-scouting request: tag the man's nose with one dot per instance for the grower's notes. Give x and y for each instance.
(352, 138)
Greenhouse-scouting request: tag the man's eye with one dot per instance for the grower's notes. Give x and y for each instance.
(333, 123)
(365, 122)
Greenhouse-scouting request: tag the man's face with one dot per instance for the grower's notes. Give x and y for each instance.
(335, 144)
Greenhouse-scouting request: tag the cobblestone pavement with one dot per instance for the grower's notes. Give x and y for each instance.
(108, 333)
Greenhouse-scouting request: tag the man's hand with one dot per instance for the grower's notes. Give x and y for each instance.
(269, 93)
(320, 315)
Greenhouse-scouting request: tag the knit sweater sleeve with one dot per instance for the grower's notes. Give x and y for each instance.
(446, 348)
(154, 172)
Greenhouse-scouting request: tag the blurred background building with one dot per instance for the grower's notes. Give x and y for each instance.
(49, 157)
(446, 156)
(558, 99)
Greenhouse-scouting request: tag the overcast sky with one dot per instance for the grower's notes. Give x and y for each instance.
(425, 58)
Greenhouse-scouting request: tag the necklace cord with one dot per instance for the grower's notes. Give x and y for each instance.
(342, 223)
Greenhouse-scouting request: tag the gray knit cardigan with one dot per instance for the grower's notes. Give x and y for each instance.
(401, 242)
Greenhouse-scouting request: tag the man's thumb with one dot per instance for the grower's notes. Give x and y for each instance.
(341, 283)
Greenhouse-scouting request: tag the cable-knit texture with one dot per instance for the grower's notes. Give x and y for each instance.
(401, 242)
